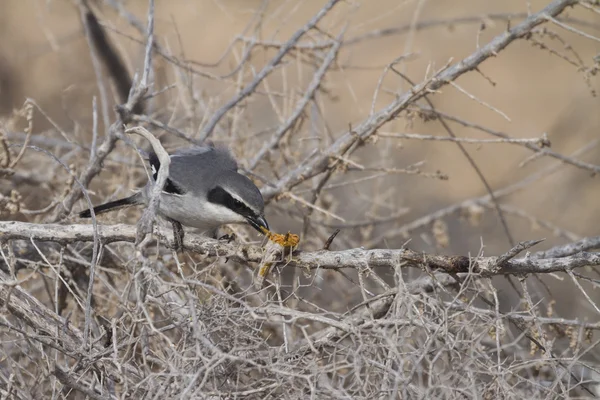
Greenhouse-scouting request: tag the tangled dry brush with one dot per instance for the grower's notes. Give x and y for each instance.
(320, 101)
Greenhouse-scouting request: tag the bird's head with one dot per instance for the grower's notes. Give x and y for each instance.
(238, 200)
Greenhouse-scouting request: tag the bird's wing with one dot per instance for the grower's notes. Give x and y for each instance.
(170, 186)
(217, 158)
(193, 166)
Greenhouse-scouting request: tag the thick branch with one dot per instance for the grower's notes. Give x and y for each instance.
(319, 163)
(357, 259)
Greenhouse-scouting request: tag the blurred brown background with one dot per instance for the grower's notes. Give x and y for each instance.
(44, 56)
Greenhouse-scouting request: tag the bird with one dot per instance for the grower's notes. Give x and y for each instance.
(204, 190)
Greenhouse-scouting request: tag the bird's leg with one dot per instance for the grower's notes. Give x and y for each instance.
(178, 234)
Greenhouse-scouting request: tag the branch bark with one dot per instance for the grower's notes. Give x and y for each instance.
(358, 259)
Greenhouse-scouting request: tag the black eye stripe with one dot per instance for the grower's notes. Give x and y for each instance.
(218, 195)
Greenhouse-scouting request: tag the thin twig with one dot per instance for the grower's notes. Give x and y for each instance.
(318, 164)
(267, 69)
(300, 106)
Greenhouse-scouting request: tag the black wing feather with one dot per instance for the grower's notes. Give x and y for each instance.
(170, 186)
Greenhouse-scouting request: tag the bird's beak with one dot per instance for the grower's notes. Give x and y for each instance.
(259, 223)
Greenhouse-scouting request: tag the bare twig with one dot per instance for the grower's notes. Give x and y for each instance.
(67, 380)
(267, 69)
(539, 148)
(541, 141)
(51, 329)
(318, 164)
(512, 253)
(308, 96)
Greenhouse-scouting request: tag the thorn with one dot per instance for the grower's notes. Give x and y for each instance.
(330, 239)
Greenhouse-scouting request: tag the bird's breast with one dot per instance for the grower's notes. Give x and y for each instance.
(197, 212)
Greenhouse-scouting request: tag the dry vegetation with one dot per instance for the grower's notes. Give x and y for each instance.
(421, 149)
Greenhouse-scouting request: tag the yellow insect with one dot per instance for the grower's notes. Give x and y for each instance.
(287, 240)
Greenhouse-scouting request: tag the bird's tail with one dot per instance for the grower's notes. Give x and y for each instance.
(113, 205)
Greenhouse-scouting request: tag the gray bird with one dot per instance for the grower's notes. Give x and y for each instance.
(204, 190)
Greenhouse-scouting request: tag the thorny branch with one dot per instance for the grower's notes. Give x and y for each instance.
(319, 163)
(131, 104)
(355, 259)
(194, 326)
(267, 69)
(35, 314)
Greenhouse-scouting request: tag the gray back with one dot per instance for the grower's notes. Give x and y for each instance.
(196, 169)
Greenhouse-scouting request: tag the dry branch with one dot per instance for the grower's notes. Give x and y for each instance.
(361, 322)
(267, 69)
(147, 220)
(357, 259)
(55, 331)
(319, 163)
(308, 96)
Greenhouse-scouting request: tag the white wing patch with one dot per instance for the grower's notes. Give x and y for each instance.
(172, 194)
